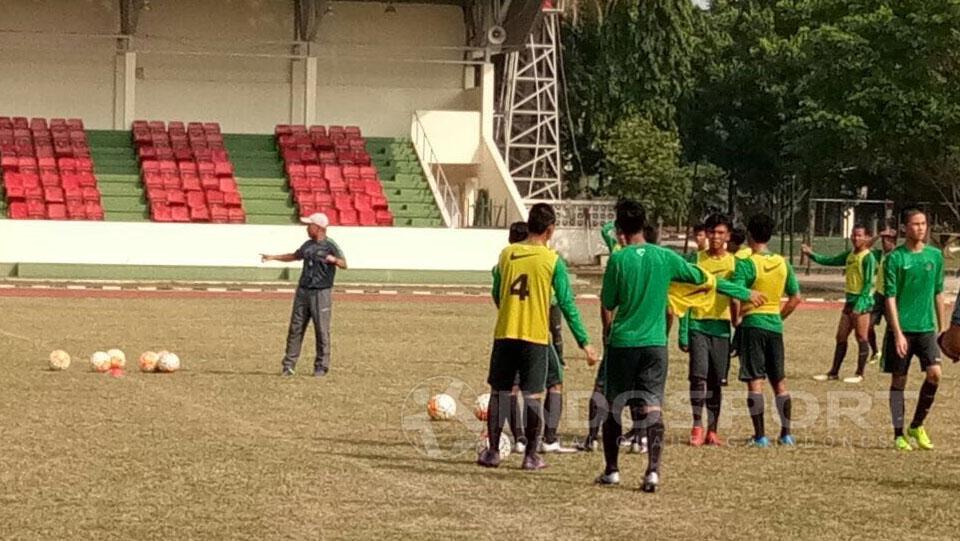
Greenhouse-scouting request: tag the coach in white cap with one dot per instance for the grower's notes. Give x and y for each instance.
(321, 257)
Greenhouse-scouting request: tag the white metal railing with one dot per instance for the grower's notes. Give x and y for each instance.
(588, 213)
(443, 192)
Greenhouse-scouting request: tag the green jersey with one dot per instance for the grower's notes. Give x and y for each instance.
(914, 279)
(773, 276)
(635, 284)
(609, 235)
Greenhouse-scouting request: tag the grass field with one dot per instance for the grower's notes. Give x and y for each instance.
(228, 449)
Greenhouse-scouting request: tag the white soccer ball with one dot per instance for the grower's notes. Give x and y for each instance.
(481, 407)
(100, 361)
(168, 362)
(442, 407)
(148, 361)
(484, 443)
(59, 360)
(118, 359)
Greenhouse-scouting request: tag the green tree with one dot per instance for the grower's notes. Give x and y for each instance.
(621, 58)
(644, 163)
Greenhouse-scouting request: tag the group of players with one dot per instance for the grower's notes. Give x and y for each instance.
(724, 286)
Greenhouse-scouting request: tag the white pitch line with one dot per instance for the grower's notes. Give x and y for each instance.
(423, 293)
(286, 290)
(111, 288)
(217, 289)
(388, 292)
(353, 291)
(587, 296)
(456, 293)
(7, 286)
(816, 299)
(40, 286)
(76, 287)
(251, 290)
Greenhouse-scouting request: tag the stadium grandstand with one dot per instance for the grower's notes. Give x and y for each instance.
(427, 115)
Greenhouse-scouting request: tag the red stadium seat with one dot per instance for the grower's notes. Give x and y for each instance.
(179, 213)
(219, 214)
(57, 211)
(348, 217)
(236, 215)
(53, 195)
(196, 199)
(17, 210)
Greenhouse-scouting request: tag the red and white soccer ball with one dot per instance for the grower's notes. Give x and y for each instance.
(484, 443)
(481, 407)
(59, 360)
(148, 361)
(441, 407)
(168, 362)
(100, 361)
(118, 359)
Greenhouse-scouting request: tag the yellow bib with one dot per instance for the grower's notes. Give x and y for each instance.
(526, 285)
(854, 271)
(682, 297)
(878, 283)
(720, 267)
(771, 270)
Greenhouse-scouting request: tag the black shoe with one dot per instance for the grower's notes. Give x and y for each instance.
(651, 482)
(319, 373)
(287, 371)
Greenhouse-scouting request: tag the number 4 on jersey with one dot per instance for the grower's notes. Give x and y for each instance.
(520, 287)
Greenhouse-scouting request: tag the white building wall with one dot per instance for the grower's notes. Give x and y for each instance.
(368, 73)
(47, 76)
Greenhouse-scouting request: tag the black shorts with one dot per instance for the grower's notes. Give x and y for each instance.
(601, 381)
(761, 355)
(517, 360)
(555, 366)
(635, 376)
(709, 357)
(879, 309)
(922, 345)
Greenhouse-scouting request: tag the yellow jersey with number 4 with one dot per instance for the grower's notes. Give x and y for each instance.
(525, 287)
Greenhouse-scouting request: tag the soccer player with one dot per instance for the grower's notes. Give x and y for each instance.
(913, 283)
(635, 286)
(527, 272)
(701, 241)
(321, 258)
(888, 241)
(856, 314)
(705, 334)
(737, 245)
(518, 233)
(761, 347)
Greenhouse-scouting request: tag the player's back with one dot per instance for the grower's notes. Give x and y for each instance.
(526, 286)
(637, 284)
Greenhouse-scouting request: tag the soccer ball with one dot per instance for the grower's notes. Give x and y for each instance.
(168, 362)
(117, 358)
(442, 407)
(148, 361)
(480, 407)
(59, 360)
(484, 443)
(100, 361)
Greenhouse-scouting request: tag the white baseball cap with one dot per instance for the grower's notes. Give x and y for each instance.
(318, 219)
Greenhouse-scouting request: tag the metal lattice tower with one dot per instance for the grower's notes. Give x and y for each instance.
(529, 127)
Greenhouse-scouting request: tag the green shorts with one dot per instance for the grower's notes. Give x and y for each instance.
(518, 361)
(709, 357)
(761, 355)
(635, 376)
(922, 345)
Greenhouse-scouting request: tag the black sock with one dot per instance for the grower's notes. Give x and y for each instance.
(863, 354)
(611, 440)
(714, 401)
(534, 407)
(552, 409)
(785, 409)
(698, 394)
(839, 352)
(516, 417)
(928, 391)
(896, 410)
(496, 417)
(598, 414)
(755, 406)
(872, 338)
(654, 441)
